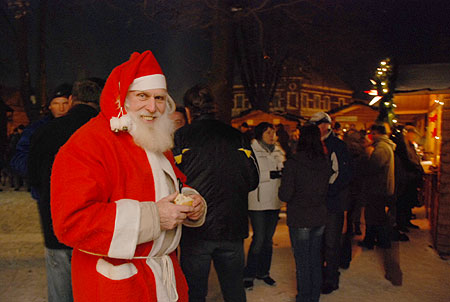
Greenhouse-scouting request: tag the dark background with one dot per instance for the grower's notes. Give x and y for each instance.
(89, 38)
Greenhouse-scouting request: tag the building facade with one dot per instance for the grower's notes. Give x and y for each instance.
(300, 95)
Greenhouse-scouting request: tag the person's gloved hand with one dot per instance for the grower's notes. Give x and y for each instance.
(275, 174)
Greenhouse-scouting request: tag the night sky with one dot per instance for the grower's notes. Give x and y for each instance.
(89, 38)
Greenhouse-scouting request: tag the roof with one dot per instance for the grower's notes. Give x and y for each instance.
(326, 79)
(254, 117)
(353, 104)
(416, 77)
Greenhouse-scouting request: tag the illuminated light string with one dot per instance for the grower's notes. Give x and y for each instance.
(382, 89)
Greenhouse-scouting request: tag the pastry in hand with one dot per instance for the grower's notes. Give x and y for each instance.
(183, 200)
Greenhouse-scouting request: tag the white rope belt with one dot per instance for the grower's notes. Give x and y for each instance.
(168, 276)
(167, 272)
(134, 257)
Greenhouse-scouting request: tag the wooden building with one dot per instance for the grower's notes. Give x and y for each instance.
(254, 117)
(422, 96)
(358, 115)
(300, 94)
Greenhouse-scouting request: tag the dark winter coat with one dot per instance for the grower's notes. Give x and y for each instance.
(220, 164)
(304, 187)
(337, 197)
(20, 159)
(45, 143)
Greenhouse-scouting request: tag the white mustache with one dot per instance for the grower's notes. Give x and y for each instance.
(150, 117)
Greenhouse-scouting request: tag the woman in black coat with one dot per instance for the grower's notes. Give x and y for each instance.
(304, 187)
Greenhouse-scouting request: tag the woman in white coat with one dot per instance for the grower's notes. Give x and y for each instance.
(264, 205)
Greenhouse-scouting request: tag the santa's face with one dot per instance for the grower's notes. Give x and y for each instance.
(152, 129)
(148, 105)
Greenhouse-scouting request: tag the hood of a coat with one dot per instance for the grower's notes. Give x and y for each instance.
(385, 139)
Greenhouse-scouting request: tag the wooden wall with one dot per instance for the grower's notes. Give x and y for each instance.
(442, 232)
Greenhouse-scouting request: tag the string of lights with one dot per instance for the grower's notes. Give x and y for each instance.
(383, 92)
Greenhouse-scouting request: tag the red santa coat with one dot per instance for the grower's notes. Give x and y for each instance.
(98, 179)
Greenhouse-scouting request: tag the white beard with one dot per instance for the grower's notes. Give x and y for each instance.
(157, 137)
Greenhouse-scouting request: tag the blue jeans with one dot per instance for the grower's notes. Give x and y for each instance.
(306, 244)
(59, 280)
(228, 259)
(259, 258)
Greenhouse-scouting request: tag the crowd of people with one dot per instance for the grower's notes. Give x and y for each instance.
(110, 161)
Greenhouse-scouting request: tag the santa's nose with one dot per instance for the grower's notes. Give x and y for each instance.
(151, 105)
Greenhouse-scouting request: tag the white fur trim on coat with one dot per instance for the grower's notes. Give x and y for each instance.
(116, 272)
(126, 229)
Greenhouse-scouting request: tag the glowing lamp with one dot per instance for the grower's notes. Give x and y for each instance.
(375, 100)
(371, 92)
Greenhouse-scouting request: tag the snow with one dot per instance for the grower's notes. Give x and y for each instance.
(426, 276)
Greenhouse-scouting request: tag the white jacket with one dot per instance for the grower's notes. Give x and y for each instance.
(265, 197)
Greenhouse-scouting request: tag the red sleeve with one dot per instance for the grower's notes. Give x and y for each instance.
(82, 215)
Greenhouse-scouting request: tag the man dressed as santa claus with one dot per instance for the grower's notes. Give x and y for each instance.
(113, 188)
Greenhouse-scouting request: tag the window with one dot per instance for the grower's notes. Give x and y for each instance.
(326, 101)
(341, 101)
(334, 103)
(246, 103)
(316, 101)
(292, 100)
(239, 101)
(304, 100)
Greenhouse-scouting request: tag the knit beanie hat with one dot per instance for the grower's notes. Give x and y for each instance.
(63, 90)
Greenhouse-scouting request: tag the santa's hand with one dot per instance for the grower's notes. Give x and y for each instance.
(199, 207)
(170, 214)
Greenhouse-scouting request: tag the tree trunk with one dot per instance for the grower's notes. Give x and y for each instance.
(42, 46)
(221, 80)
(25, 80)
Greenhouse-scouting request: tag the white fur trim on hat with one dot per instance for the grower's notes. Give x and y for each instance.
(122, 123)
(153, 81)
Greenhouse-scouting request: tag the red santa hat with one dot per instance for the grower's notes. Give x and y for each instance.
(140, 72)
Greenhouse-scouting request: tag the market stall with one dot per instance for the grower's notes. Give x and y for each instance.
(422, 97)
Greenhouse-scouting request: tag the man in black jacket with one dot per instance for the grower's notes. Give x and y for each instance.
(219, 163)
(337, 197)
(45, 143)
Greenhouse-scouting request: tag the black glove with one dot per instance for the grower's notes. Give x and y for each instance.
(275, 174)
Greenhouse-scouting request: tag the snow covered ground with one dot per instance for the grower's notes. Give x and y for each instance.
(426, 276)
